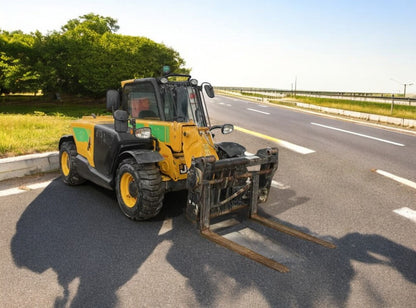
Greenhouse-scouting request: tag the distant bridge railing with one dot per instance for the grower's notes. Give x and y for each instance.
(363, 96)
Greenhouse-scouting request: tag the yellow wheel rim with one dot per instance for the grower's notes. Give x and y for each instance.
(125, 181)
(65, 163)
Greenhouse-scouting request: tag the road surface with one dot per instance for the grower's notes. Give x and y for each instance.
(71, 246)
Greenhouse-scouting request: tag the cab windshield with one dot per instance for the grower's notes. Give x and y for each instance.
(181, 104)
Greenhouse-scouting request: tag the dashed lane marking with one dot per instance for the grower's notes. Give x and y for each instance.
(357, 134)
(258, 111)
(406, 212)
(285, 144)
(395, 178)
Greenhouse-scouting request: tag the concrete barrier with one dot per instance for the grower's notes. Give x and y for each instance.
(19, 166)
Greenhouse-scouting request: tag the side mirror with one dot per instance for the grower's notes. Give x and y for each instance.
(120, 121)
(112, 100)
(209, 90)
(225, 129)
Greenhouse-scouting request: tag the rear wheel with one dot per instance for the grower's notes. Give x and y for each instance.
(139, 189)
(67, 154)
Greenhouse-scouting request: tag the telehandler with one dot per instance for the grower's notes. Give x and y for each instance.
(160, 139)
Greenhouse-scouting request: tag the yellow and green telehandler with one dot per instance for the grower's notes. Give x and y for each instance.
(159, 139)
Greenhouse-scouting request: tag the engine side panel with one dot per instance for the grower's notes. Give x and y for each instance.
(108, 145)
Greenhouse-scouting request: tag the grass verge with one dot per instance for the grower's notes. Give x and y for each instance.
(35, 126)
(25, 134)
(399, 111)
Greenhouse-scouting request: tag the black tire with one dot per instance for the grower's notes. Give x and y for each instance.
(139, 189)
(67, 154)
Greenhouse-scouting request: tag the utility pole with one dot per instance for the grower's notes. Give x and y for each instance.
(405, 85)
(296, 80)
(392, 104)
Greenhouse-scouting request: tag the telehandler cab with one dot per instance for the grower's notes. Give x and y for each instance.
(159, 139)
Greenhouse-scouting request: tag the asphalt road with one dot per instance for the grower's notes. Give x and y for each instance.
(70, 246)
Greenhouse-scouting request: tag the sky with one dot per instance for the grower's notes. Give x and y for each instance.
(338, 45)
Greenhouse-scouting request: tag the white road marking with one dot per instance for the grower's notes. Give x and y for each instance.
(357, 134)
(406, 212)
(263, 112)
(285, 144)
(11, 191)
(166, 226)
(295, 148)
(38, 185)
(22, 189)
(225, 104)
(279, 185)
(396, 178)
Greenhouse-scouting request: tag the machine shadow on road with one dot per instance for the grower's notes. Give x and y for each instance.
(80, 233)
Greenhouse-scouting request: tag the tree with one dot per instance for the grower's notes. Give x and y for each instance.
(87, 57)
(16, 70)
(95, 23)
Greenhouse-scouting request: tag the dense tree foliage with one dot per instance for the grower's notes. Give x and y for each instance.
(86, 57)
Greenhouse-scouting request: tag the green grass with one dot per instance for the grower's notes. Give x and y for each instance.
(35, 125)
(25, 134)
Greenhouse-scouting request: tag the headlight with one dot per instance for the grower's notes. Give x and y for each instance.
(193, 82)
(144, 133)
(164, 80)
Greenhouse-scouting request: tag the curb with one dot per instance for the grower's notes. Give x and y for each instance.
(20, 166)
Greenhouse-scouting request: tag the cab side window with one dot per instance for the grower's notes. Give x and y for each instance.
(141, 101)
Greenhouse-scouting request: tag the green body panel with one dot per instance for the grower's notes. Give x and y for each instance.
(160, 132)
(81, 134)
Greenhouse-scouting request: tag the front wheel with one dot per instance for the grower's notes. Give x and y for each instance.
(139, 189)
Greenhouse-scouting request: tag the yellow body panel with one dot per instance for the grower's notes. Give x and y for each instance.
(83, 132)
(172, 166)
(126, 81)
(178, 143)
(197, 142)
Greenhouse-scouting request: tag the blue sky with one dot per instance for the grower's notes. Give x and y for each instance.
(325, 45)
